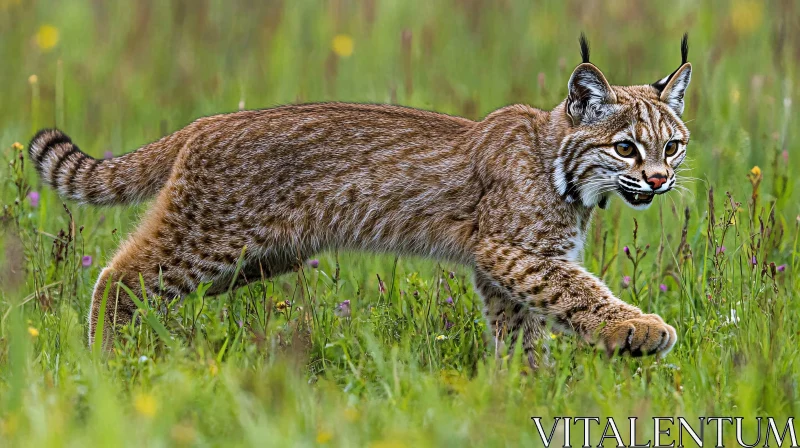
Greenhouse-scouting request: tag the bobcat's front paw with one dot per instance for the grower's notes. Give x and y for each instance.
(640, 336)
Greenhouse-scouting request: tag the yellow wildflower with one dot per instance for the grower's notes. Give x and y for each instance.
(33, 79)
(17, 146)
(47, 37)
(756, 171)
(747, 15)
(441, 337)
(342, 45)
(735, 96)
(213, 369)
(351, 415)
(324, 437)
(33, 332)
(145, 404)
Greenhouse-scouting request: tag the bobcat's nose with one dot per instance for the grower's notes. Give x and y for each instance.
(656, 180)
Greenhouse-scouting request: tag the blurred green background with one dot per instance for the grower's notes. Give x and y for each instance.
(401, 366)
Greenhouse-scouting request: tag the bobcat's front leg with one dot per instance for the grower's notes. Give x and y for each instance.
(507, 317)
(575, 300)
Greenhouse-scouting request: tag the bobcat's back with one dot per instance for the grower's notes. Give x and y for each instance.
(346, 175)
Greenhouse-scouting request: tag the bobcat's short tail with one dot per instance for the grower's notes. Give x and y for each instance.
(125, 179)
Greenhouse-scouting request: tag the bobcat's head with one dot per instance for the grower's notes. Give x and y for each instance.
(627, 140)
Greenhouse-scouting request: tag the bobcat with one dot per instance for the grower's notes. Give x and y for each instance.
(511, 196)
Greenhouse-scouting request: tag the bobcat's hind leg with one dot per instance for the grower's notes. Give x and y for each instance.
(138, 257)
(152, 257)
(170, 270)
(119, 308)
(507, 317)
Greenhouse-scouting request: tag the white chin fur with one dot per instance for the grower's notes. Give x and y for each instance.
(640, 206)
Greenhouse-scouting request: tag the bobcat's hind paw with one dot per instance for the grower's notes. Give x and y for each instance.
(640, 336)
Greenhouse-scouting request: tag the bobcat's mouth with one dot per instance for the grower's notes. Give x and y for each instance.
(636, 198)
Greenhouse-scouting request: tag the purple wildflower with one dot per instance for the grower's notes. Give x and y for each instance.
(626, 250)
(381, 286)
(108, 155)
(721, 250)
(33, 198)
(447, 324)
(343, 309)
(781, 268)
(449, 300)
(662, 287)
(626, 281)
(754, 260)
(86, 261)
(313, 263)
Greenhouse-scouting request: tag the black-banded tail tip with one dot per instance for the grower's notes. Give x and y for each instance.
(43, 142)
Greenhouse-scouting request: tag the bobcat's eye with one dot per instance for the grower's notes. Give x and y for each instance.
(625, 149)
(671, 148)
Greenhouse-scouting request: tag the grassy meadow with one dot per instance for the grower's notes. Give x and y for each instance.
(375, 350)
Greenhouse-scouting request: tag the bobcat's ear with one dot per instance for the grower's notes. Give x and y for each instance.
(590, 95)
(673, 87)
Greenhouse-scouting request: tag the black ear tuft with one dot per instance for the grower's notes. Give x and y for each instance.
(661, 83)
(584, 48)
(685, 48)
